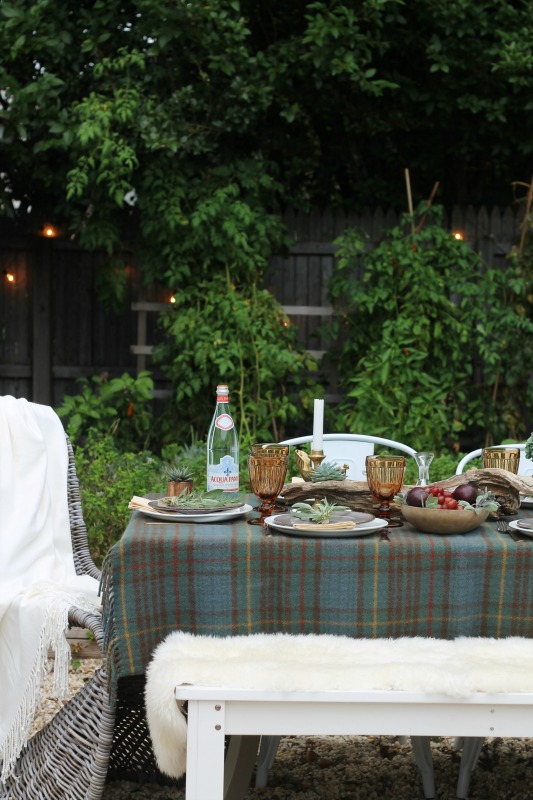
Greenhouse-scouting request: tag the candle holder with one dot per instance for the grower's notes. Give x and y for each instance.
(307, 464)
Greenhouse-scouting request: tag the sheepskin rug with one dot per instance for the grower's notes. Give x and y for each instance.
(284, 662)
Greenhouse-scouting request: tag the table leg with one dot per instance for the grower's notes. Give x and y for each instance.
(239, 765)
(422, 752)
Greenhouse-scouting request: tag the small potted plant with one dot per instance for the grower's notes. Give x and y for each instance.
(180, 479)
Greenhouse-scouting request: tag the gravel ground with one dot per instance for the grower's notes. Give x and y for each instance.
(353, 768)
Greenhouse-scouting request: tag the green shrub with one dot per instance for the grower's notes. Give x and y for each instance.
(428, 339)
(218, 332)
(443, 466)
(108, 480)
(121, 407)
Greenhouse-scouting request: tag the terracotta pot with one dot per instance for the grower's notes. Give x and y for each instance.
(176, 488)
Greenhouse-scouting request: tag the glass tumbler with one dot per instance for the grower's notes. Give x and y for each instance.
(501, 458)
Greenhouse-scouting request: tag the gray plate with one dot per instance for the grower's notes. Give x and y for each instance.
(195, 510)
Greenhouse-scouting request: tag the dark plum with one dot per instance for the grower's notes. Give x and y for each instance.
(466, 492)
(417, 496)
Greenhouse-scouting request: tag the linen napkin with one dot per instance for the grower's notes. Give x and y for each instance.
(324, 526)
(140, 503)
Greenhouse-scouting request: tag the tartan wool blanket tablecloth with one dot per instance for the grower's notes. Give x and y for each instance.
(227, 579)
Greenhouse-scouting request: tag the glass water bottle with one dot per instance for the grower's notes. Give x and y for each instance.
(222, 446)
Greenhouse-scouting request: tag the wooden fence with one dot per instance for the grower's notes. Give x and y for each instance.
(55, 330)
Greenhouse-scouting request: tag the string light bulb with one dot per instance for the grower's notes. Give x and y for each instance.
(458, 235)
(172, 299)
(10, 278)
(50, 232)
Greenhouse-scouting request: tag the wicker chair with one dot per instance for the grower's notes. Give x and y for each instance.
(90, 739)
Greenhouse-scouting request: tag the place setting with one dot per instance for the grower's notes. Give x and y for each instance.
(213, 506)
(316, 517)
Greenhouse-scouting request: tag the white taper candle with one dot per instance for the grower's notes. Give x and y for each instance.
(318, 425)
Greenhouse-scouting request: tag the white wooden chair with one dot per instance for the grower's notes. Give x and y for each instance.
(525, 466)
(352, 449)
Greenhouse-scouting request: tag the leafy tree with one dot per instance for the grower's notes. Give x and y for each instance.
(179, 130)
(122, 119)
(216, 332)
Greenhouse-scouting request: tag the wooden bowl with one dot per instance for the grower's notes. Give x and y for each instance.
(445, 521)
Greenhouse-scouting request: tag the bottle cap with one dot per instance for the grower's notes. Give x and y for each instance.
(222, 388)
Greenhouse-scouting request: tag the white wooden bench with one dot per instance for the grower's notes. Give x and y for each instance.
(271, 685)
(214, 713)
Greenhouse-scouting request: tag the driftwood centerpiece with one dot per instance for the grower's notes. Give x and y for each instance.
(356, 495)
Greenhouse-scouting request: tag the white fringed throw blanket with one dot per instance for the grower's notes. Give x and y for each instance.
(284, 662)
(38, 581)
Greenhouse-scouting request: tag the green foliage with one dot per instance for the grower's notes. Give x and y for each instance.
(428, 336)
(217, 332)
(109, 478)
(443, 466)
(121, 407)
(126, 121)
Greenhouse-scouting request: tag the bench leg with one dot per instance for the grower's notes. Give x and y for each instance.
(204, 778)
(424, 761)
(267, 754)
(471, 749)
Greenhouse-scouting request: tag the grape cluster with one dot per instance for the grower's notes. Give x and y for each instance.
(445, 498)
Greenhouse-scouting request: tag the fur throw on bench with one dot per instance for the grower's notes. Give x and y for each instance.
(284, 662)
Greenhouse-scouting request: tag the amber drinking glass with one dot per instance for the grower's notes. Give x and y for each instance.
(501, 458)
(384, 475)
(267, 467)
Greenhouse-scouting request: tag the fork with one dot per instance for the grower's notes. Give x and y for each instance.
(503, 527)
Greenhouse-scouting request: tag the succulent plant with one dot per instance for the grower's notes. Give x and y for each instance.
(319, 512)
(174, 472)
(529, 447)
(327, 471)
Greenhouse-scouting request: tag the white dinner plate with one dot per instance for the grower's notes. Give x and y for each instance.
(363, 529)
(525, 531)
(215, 516)
(526, 500)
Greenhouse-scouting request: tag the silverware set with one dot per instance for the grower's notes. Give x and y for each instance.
(503, 527)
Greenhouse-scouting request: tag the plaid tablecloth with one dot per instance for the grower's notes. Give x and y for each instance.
(230, 578)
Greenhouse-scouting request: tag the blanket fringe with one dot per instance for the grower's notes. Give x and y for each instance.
(52, 637)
